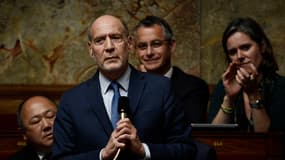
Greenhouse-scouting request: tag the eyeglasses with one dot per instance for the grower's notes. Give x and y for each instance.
(153, 44)
(115, 38)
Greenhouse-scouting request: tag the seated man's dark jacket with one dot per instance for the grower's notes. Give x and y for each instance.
(192, 94)
(27, 153)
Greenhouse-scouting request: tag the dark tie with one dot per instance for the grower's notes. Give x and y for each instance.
(115, 100)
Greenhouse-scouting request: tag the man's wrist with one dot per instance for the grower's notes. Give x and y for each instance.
(142, 151)
(102, 154)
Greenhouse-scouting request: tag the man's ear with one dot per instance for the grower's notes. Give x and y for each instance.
(130, 44)
(173, 46)
(90, 51)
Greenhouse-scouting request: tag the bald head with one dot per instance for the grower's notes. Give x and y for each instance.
(106, 19)
(32, 101)
(36, 118)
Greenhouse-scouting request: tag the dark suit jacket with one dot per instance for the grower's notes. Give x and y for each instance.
(192, 93)
(26, 153)
(82, 127)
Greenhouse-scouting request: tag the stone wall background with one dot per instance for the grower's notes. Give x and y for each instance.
(45, 42)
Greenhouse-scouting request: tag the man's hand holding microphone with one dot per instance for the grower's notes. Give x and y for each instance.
(124, 136)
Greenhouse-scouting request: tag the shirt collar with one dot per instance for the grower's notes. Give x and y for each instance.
(41, 155)
(169, 73)
(123, 81)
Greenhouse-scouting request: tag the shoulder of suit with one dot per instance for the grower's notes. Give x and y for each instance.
(26, 152)
(179, 75)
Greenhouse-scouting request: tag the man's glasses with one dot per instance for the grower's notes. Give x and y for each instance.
(153, 44)
(115, 38)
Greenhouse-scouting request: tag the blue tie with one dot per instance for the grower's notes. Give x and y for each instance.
(115, 100)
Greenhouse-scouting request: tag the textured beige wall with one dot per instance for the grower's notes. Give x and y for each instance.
(44, 41)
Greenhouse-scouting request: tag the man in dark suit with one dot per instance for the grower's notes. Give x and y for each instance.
(154, 46)
(36, 117)
(154, 127)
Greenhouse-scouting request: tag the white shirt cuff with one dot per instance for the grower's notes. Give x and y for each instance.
(146, 149)
(147, 152)
(100, 154)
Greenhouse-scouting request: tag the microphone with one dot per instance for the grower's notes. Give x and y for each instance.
(123, 109)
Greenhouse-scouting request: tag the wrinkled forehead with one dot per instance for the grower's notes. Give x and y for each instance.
(153, 32)
(107, 25)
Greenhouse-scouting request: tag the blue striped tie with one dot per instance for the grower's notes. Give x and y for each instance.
(115, 100)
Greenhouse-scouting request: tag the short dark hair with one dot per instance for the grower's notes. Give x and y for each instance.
(251, 28)
(20, 107)
(149, 21)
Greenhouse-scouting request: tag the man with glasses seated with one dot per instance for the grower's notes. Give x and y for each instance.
(154, 46)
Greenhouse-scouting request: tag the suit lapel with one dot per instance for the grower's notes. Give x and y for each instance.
(95, 100)
(176, 79)
(136, 88)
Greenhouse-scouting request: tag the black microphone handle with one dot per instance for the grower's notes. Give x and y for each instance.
(123, 108)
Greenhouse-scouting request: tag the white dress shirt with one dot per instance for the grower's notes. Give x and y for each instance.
(169, 73)
(109, 93)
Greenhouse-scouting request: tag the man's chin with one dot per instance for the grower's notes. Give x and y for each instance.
(112, 67)
(152, 67)
(48, 143)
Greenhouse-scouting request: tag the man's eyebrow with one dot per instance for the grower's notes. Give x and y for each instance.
(111, 34)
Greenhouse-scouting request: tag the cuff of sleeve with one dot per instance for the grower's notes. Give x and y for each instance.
(147, 152)
(100, 154)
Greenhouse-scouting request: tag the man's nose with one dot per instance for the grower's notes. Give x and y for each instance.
(46, 123)
(109, 45)
(149, 50)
